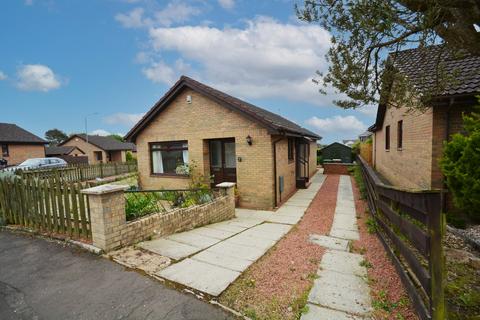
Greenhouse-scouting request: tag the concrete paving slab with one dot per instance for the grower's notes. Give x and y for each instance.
(225, 226)
(264, 233)
(200, 275)
(329, 242)
(193, 239)
(345, 222)
(320, 313)
(272, 228)
(169, 248)
(224, 261)
(235, 250)
(345, 234)
(213, 233)
(290, 211)
(244, 222)
(284, 219)
(343, 262)
(342, 292)
(252, 241)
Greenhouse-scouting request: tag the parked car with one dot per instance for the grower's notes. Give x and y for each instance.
(41, 163)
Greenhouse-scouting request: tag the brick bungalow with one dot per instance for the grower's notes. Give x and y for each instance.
(268, 156)
(18, 145)
(407, 146)
(99, 149)
(71, 154)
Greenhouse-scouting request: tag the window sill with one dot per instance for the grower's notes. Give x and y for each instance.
(387, 150)
(399, 149)
(170, 175)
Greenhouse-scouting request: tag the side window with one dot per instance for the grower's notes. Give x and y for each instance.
(400, 135)
(5, 150)
(387, 138)
(291, 147)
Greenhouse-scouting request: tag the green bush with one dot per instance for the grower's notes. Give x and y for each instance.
(461, 166)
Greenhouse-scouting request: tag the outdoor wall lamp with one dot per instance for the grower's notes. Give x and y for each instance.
(249, 140)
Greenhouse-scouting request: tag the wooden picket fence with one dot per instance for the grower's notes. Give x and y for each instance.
(47, 205)
(81, 172)
(411, 226)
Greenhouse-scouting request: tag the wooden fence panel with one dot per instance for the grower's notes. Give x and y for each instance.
(411, 227)
(47, 205)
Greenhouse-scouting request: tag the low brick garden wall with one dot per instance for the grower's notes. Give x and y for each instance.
(336, 168)
(111, 231)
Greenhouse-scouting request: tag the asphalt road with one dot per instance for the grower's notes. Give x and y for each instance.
(41, 279)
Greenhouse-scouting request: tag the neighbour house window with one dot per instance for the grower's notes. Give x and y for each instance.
(387, 138)
(169, 157)
(400, 134)
(291, 143)
(98, 155)
(4, 150)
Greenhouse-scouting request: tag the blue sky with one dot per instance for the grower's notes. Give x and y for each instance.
(111, 60)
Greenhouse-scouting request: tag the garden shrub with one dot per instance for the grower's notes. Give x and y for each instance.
(461, 166)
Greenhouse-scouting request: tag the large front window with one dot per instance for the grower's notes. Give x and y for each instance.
(169, 157)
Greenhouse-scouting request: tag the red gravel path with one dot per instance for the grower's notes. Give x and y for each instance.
(383, 273)
(275, 287)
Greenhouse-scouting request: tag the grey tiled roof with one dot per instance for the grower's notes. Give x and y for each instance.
(11, 133)
(58, 150)
(422, 65)
(105, 143)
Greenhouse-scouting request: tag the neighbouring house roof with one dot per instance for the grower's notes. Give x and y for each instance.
(60, 150)
(347, 142)
(104, 143)
(343, 145)
(365, 134)
(273, 122)
(11, 133)
(420, 67)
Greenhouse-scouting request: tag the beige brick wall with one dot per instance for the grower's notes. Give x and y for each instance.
(205, 119)
(313, 158)
(285, 168)
(410, 167)
(17, 153)
(110, 230)
(118, 156)
(88, 148)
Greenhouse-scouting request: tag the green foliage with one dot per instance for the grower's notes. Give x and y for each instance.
(383, 303)
(456, 219)
(129, 157)
(462, 291)
(460, 165)
(319, 159)
(364, 32)
(371, 225)
(55, 136)
(356, 148)
(356, 172)
(117, 137)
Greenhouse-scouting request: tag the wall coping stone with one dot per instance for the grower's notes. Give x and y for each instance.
(104, 189)
(226, 185)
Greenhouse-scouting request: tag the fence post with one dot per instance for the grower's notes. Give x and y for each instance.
(107, 215)
(115, 168)
(436, 226)
(229, 190)
(101, 169)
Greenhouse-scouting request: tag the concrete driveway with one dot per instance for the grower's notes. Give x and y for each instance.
(40, 279)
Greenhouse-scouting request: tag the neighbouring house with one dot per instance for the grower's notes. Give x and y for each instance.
(408, 144)
(268, 156)
(99, 149)
(18, 145)
(71, 154)
(349, 142)
(337, 152)
(365, 136)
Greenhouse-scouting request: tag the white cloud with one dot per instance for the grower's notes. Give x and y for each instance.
(3, 76)
(227, 4)
(370, 111)
(100, 132)
(264, 59)
(133, 19)
(340, 126)
(172, 13)
(37, 77)
(127, 119)
(28, 2)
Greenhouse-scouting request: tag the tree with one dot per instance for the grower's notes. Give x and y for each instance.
(55, 136)
(117, 137)
(364, 31)
(460, 165)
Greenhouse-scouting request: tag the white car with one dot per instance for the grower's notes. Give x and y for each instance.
(41, 163)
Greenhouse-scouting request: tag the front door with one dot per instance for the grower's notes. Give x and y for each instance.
(223, 162)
